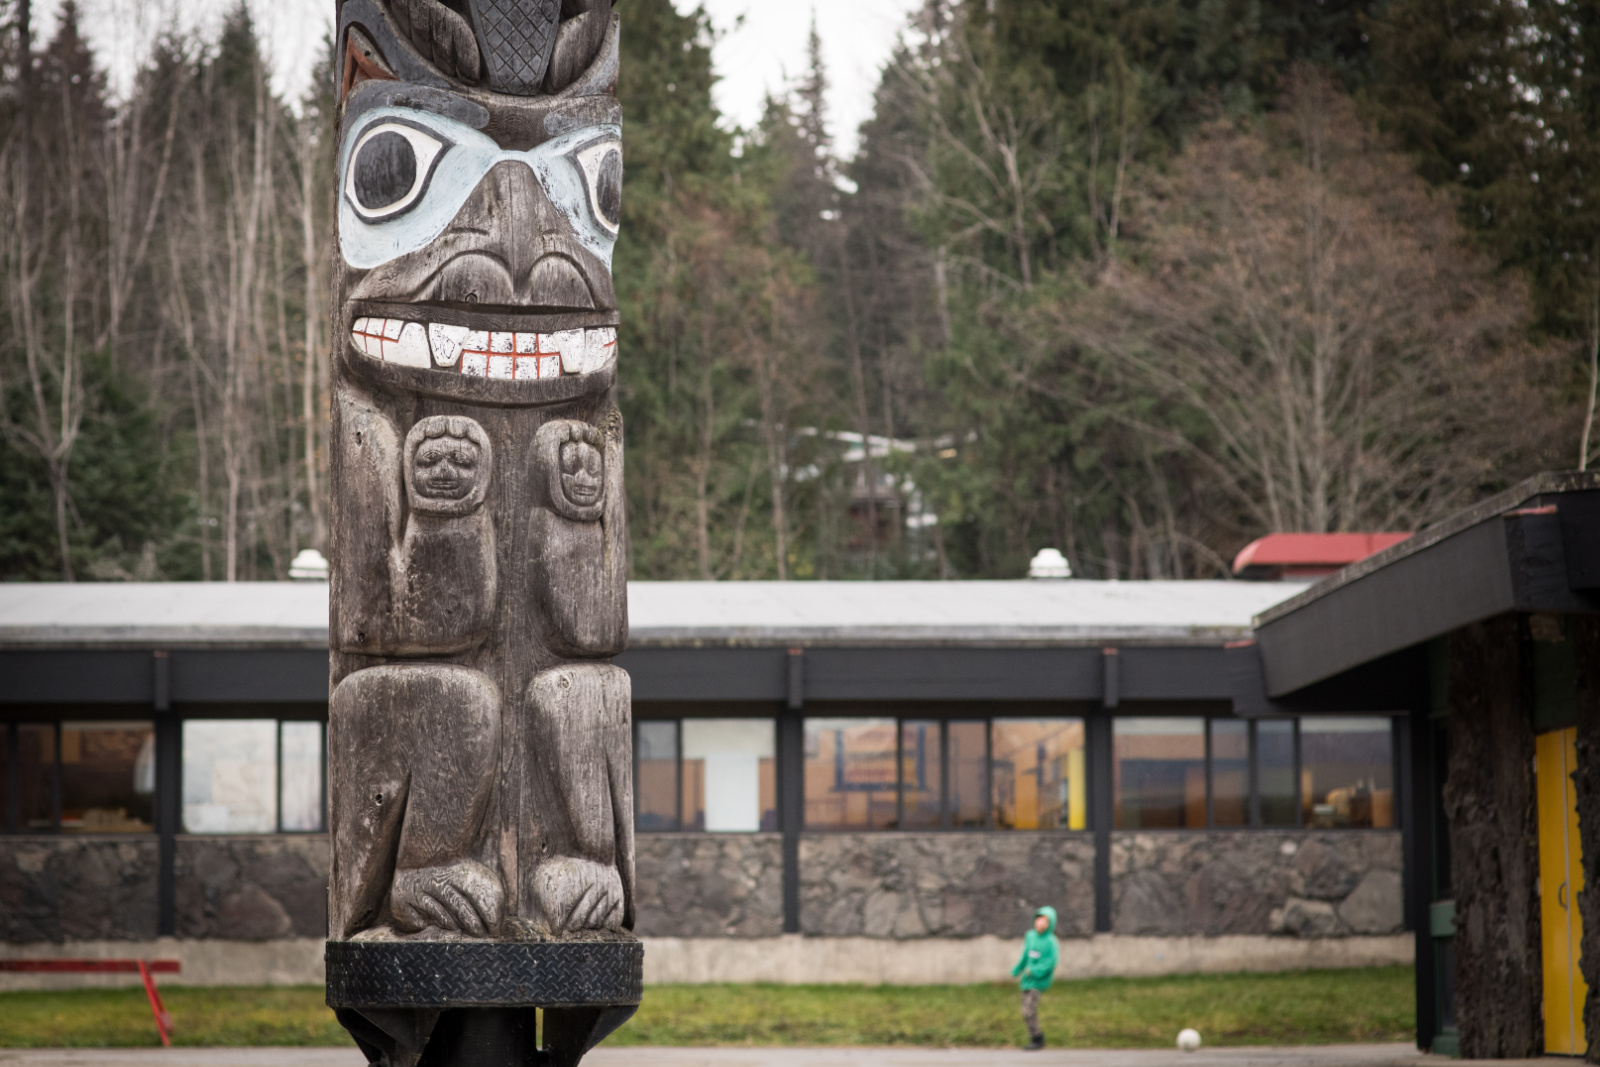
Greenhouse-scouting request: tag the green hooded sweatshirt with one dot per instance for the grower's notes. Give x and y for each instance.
(1039, 954)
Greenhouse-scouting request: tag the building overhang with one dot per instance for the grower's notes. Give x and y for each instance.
(1533, 548)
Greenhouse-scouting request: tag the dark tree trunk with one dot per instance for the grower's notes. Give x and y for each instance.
(1489, 801)
(1584, 633)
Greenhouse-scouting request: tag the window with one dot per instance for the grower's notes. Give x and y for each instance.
(1346, 772)
(77, 777)
(37, 775)
(851, 780)
(655, 777)
(108, 777)
(969, 774)
(1275, 777)
(1230, 772)
(717, 775)
(1159, 773)
(1009, 774)
(1038, 769)
(730, 779)
(921, 775)
(252, 776)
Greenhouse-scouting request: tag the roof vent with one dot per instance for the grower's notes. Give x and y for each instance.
(1049, 563)
(309, 566)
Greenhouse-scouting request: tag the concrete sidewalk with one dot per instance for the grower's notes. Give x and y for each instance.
(1313, 1056)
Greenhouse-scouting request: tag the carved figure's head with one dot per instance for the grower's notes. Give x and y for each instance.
(572, 457)
(448, 464)
(582, 471)
(480, 193)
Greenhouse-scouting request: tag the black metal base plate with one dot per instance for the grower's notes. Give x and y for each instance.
(482, 974)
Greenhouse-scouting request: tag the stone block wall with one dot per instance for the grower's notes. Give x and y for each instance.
(710, 885)
(904, 886)
(1301, 884)
(78, 888)
(252, 888)
(911, 885)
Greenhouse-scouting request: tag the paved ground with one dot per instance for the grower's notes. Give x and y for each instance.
(1328, 1056)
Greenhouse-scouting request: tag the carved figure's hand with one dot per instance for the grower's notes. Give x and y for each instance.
(465, 896)
(577, 894)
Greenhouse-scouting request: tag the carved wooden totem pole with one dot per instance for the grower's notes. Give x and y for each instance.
(480, 740)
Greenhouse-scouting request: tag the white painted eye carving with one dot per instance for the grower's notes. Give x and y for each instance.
(602, 174)
(389, 169)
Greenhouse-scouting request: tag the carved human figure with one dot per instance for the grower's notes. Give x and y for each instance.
(480, 739)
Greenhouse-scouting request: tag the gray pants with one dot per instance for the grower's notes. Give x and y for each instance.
(1030, 1011)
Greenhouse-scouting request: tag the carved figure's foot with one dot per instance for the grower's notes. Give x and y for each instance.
(464, 896)
(577, 894)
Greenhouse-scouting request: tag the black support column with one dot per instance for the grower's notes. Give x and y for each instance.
(169, 796)
(1100, 815)
(791, 787)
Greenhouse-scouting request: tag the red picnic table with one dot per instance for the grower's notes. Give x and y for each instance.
(146, 969)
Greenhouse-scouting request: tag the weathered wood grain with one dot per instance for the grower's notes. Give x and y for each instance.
(480, 743)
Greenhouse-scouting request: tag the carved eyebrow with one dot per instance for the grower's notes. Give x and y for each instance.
(375, 94)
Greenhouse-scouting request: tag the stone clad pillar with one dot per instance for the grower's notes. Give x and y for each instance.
(480, 739)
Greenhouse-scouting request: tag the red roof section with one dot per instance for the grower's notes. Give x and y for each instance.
(1313, 551)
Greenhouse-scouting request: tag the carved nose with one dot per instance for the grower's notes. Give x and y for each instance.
(527, 258)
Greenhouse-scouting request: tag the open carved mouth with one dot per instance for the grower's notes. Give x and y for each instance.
(509, 355)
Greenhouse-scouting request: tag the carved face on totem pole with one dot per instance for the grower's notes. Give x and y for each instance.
(480, 739)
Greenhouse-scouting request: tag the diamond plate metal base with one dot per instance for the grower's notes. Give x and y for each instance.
(482, 974)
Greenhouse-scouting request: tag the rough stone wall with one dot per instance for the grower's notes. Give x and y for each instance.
(709, 885)
(75, 888)
(1489, 802)
(1298, 883)
(909, 885)
(252, 888)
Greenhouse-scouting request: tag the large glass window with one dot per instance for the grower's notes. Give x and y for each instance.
(302, 788)
(5, 777)
(925, 773)
(1346, 772)
(729, 775)
(921, 775)
(108, 777)
(252, 776)
(850, 779)
(1159, 773)
(655, 782)
(969, 774)
(37, 776)
(1038, 770)
(1275, 777)
(1230, 772)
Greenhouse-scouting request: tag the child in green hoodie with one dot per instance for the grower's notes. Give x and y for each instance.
(1038, 969)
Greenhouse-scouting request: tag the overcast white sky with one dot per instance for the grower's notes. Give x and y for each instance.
(754, 56)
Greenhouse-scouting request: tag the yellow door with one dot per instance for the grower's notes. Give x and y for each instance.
(1560, 881)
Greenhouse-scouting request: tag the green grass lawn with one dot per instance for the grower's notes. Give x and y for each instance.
(1303, 1007)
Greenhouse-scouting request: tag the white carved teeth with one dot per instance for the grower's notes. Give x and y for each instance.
(509, 355)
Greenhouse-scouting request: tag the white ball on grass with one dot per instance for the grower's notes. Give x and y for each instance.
(1188, 1039)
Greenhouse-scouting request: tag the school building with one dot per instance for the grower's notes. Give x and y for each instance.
(881, 781)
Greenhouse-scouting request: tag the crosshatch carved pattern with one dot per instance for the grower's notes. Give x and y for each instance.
(518, 36)
(480, 974)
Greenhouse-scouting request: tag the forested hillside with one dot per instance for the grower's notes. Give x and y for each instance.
(1139, 279)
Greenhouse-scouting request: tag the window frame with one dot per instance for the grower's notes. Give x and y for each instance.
(278, 723)
(987, 714)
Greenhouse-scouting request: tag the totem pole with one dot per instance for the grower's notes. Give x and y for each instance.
(480, 742)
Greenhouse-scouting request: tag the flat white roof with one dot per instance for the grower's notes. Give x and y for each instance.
(1070, 611)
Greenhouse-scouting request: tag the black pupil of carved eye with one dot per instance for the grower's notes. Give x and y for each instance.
(386, 169)
(608, 188)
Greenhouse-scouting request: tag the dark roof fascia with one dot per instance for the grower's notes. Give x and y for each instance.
(713, 674)
(1504, 554)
